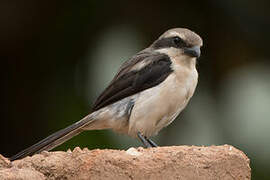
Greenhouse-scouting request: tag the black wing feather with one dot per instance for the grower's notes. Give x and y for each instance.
(133, 82)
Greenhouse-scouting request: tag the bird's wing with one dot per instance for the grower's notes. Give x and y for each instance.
(141, 72)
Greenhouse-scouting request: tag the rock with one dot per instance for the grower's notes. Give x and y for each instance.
(4, 162)
(20, 174)
(175, 162)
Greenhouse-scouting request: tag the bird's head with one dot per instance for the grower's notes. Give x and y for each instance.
(179, 41)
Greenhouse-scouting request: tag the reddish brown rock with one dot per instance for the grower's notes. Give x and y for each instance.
(175, 162)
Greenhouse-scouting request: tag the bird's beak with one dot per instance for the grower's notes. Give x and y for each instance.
(193, 51)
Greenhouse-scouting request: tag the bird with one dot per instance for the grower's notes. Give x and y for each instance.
(147, 93)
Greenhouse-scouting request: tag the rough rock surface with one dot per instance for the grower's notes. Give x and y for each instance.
(175, 162)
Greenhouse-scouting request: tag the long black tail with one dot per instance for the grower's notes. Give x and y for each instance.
(55, 139)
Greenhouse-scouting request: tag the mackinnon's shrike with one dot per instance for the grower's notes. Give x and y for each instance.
(147, 93)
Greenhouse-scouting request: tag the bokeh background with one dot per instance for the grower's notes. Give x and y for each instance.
(57, 57)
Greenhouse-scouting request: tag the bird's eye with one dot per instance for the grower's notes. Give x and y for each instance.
(177, 40)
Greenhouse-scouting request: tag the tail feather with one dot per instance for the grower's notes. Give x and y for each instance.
(55, 139)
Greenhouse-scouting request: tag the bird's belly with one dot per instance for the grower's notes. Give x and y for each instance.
(157, 107)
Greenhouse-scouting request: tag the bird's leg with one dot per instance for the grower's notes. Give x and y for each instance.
(145, 141)
(153, 144)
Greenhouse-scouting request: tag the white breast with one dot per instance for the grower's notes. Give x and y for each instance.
(156, 107)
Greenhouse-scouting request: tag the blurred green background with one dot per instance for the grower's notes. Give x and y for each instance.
(57, 57)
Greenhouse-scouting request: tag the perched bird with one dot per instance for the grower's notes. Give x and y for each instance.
(147, 93)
